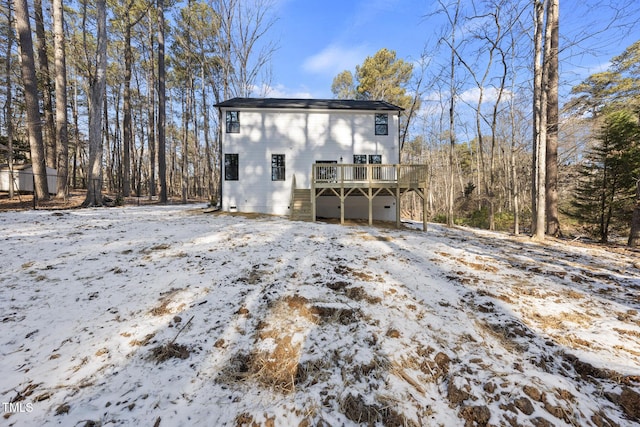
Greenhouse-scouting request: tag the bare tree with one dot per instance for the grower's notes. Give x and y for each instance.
(553, 221)
(491, 34)
(32, 104)
(162, 119)
(8, 107)
(49, 135)
(450, 41)
(545, 92)
(245, 54)
(539, 124)
(151, 102)
(61, 99)
(130, 14)
(97, 86)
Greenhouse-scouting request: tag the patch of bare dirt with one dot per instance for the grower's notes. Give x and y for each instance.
(168, 351)
(166, 299)
(25, 202)
(274, 360)
(357, 410)
(475, 415)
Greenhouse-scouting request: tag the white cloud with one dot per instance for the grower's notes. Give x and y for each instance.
(599, 68)
(490, 94)
(281, 91)
(334, 58)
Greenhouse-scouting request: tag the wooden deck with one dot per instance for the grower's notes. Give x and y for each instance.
(331, 175)
(369, 180)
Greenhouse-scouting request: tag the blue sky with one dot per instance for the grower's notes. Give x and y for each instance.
(320, 38)
(317, 39)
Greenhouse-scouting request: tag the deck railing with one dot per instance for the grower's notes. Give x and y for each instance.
(340, 174)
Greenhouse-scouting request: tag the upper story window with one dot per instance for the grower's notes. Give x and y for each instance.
(233, 121)
(382, 124)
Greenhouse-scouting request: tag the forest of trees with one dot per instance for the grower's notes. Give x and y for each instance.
(118, 97)
(123, 98)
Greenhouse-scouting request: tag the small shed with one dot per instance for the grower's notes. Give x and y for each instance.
(23, 178)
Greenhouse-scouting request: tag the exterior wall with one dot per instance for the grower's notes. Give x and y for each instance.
(357, 207)
(304, 137)
(23, 178)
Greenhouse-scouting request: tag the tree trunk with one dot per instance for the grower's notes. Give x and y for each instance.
(494, 127)
(207, 143)
(8, 108)
(514, 172)
(151, 112)
(540, 127)
(49, 135)
(452, 136)
(76, 135)
(162, 162)
(32, 105)
(126, 111)
(184, 161)
(553, 222)
(97, 86)
(62, 136)
(113, 152)
(634, 235)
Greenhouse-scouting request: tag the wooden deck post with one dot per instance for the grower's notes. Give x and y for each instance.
(424, 209)
(398, 205)
(342, 195)
(342, 205)
(314, 200)
(370, 197)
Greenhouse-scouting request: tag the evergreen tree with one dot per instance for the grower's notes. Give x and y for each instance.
(28, 73)
(343, 86)
(605, 193)
(380, 77)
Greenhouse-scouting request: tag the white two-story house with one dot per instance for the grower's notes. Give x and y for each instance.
(320, 158)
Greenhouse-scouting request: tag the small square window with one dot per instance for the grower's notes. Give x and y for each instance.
(233, 121)
(231, 167)
(360, 159)
(382, 124)
(277, 167)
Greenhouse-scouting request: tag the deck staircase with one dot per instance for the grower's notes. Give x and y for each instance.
(301, 205)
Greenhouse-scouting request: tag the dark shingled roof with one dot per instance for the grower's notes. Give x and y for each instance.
(322, 104)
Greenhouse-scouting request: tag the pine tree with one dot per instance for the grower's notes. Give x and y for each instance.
(606, 190)
(28, 74)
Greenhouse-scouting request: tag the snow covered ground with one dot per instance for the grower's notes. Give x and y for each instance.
(166, 316)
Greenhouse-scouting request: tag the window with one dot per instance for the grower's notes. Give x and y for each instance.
(233, 121)
(360, 159)
(360, 173)
(277, 167)
(231, 167)
(376, 159)
(382, 124)
(327, 173)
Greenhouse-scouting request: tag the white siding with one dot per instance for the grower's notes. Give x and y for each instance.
(356, 206)
(23, 178)
(304, 137)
